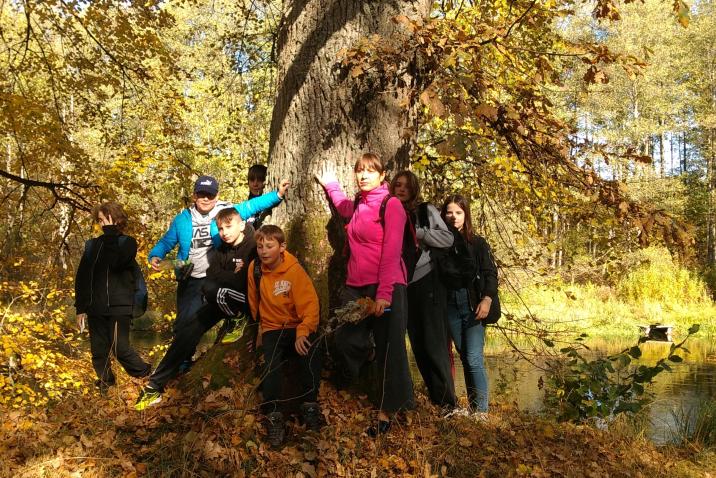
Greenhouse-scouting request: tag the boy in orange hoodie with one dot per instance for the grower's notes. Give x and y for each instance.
(286, 305)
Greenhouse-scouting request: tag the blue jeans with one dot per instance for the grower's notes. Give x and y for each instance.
(468, 335)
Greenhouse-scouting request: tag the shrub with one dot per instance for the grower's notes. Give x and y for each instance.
(660, 279)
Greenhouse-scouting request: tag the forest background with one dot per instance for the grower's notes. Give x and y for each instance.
(584, 132)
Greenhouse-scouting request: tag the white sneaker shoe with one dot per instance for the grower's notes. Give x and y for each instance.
(457, 412)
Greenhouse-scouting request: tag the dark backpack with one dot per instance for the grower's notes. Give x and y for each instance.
(141, 294)
(455, 265)
(410, 252)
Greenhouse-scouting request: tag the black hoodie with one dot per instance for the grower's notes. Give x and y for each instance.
(104, 284)
(223, 260)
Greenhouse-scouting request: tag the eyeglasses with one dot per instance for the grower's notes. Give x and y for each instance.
(205, 195)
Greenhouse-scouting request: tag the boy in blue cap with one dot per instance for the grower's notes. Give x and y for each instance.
(195, 232)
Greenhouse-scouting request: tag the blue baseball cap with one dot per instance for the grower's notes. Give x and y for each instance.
(206, 184)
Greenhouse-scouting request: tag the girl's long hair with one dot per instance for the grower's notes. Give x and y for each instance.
(467, 231)
(413, 185)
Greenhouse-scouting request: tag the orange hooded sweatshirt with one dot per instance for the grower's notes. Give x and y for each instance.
(288, 298)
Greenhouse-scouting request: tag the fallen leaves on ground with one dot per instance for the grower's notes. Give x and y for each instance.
(220, 433)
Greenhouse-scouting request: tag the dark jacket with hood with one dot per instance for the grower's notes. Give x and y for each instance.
(105, 283)
(223, 260)
(484, 283)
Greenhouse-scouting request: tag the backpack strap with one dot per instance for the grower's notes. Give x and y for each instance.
(409, 220)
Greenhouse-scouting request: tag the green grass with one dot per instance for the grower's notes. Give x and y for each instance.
(656, 290)
(599, 312)
(696, 426)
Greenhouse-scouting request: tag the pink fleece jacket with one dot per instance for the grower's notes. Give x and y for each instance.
(375, 253)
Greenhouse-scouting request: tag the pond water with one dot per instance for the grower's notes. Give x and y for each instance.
(677, 394)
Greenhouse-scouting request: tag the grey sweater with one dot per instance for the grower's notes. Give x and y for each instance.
(434, 234)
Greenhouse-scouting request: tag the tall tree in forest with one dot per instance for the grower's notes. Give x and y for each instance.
(356, 76)
(323, 112)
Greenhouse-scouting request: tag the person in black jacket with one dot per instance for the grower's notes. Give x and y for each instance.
(427, 299)
(104, 295)
(224, 292)
(471, 307)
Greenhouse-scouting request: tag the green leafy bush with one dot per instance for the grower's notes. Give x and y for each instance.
(579, 388)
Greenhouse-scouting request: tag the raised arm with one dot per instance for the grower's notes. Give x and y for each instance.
(120, 251)
(436, 232)
(254, 206)
(328, 179)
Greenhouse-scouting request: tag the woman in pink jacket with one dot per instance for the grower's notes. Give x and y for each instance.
(375, 270)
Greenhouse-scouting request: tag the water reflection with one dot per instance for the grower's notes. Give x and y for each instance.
(677, 393)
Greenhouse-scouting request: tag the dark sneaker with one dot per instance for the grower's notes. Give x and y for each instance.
(276, 429)
(380, 428)
(311, 414)
(147, 398)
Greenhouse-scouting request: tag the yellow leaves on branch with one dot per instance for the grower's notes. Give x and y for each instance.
(35, 348)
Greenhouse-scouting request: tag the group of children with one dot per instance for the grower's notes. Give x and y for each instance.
(235, 269)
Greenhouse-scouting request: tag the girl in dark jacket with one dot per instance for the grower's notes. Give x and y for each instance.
(471, 307)
(104, 295)
(427, 299)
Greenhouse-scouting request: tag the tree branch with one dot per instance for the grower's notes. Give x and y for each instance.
(62, 192)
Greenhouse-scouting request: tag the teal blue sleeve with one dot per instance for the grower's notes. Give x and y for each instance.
(254, 206)
(166, 243)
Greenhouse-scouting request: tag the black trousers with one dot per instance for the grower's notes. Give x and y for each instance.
(109, 335)
(278, 348)
(184, 341)
(193, 294)
(353, 344)
(189, 299)
(428, 332)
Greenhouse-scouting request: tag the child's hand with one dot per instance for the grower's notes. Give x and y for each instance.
(380, 306)
(154, 262)
(283, 186)
(106, 220)
(327, 174)
(239, 265)
(483, 308)
(302, 345)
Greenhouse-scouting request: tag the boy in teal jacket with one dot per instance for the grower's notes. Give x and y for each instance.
(195, 232)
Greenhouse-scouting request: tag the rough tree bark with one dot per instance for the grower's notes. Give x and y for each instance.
(323, 113)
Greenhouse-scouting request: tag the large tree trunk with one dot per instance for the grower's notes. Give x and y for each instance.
(323, 113)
